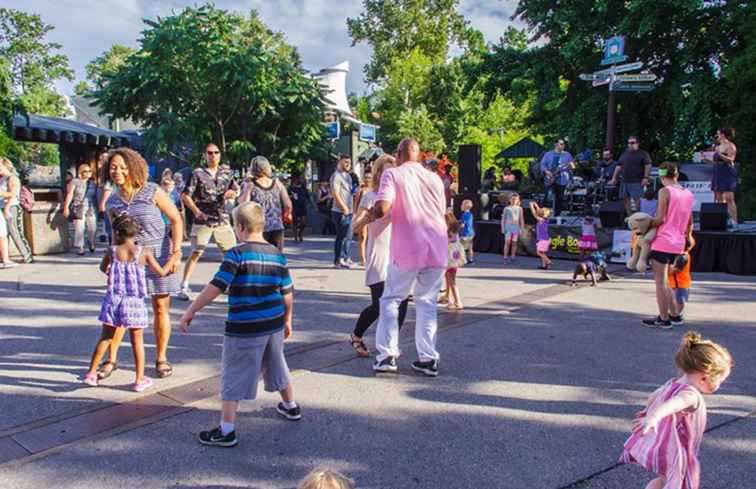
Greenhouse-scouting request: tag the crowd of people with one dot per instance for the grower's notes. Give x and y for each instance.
(413, 247)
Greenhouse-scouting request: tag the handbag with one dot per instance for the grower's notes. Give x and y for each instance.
(457, 256)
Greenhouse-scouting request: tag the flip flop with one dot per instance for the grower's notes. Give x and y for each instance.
(104, 374)
(166, 371)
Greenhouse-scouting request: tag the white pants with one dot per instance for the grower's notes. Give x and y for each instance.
(90, 224)
(399, 283)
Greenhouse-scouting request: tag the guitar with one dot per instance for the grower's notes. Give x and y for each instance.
(548, 180)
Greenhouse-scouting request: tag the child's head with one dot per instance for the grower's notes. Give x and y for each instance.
(587, 219)
(249, 218)
(544, 212)
(168, 184)
(514, 199)
(650, 193)
(452, 224)
(503, 198)
(706, 358)
(326, 479)
(466, 205)
(125, 228)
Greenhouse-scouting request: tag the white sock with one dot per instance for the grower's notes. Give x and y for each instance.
(289, 405)
(226, 428)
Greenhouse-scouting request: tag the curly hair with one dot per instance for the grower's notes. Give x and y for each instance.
(136, 165)
(124, 227)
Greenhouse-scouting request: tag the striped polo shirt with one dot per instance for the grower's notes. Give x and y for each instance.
(255, 277)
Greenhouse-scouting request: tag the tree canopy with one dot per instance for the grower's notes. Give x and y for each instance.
(394, 28)
(209, 75)
(29, 65)
(107, 64)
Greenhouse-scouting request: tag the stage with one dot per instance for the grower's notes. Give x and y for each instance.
(726, 252)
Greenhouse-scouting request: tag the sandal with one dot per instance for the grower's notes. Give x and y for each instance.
(165, 371)
(106, 369)
(359, 346)
(90, 379)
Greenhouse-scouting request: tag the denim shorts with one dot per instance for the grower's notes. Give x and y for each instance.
(631, 190)
(682, 296)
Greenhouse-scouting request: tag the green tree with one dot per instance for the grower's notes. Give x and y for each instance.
(419, 124)
(206, 74)
(29, 66)
(107, 64)
(394, 28)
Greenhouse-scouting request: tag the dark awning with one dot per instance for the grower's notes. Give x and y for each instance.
(524, 148)
(43, 129)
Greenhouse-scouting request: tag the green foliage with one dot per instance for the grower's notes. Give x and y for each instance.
(209, 75)
(394, 28)
(417, 123)
(29, 65)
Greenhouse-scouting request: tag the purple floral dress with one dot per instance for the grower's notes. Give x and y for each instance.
(123, 305)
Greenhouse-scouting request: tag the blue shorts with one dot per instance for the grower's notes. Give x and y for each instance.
(682, 296)
(631, 190)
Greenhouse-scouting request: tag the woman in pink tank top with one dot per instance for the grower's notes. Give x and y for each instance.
(674, 223)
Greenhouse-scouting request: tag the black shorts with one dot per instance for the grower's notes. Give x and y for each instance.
(663, 257)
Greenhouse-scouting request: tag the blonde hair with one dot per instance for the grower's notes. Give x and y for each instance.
(466, 202)
(8, 165)
(135, 164)
(699, 355)
(326, 479)
(250, 216)
(545, 212)
(379, 167)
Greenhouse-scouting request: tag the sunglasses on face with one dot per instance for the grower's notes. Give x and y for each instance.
(213, 152)
(632, 142)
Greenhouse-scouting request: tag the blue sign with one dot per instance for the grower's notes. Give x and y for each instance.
(333, 130)
(614, 51)
(367, 132)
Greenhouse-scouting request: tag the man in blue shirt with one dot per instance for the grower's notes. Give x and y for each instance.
(556, 166)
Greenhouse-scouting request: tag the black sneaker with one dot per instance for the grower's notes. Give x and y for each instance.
(215, 438)
(657, 322)
(677, 320)
(388, 364)
(293, 414)
(429, 368)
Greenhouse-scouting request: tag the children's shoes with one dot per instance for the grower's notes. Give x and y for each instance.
(90, 379)
(143, 384)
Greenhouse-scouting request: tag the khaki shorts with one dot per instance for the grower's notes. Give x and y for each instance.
(222, 234)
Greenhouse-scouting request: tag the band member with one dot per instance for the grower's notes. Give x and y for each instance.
(556, 166)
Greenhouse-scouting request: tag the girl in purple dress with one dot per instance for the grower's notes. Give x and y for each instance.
(543, 242)
(123, 305)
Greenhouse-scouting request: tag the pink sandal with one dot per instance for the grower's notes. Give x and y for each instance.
(143, 384)
(90, 379)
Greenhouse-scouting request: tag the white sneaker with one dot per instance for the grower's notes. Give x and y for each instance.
(8, 264)
(184, 294)
(346, 263)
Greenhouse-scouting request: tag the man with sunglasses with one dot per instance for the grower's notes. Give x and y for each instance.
(635, 168)
(205, 196)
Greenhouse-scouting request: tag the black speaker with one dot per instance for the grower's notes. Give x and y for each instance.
(469, 168)
(713, 217)
(612, 214)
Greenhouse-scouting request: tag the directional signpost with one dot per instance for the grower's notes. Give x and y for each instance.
(614, 52)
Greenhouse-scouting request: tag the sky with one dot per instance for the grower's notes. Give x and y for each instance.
(87, 28)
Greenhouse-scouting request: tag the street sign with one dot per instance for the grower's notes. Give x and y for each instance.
(333, 130)
(614, 51)
(603, 80)
(619, 69)
(631, 87)
(367, 132)
(639, 77)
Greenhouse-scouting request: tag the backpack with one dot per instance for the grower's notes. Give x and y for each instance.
(26, 199)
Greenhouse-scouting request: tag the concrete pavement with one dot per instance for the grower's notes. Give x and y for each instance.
(538, 384)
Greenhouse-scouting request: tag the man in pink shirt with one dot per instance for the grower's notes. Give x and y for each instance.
(414, 198)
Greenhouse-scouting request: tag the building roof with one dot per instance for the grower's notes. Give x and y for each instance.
(88, 113)
(43, 129)
(524, 148)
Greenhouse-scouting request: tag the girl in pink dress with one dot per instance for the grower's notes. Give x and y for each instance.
(667, 434)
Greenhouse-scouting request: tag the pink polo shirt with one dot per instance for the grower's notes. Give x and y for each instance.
(418, 236)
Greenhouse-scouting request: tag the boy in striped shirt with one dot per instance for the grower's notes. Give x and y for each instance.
(260, 301)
